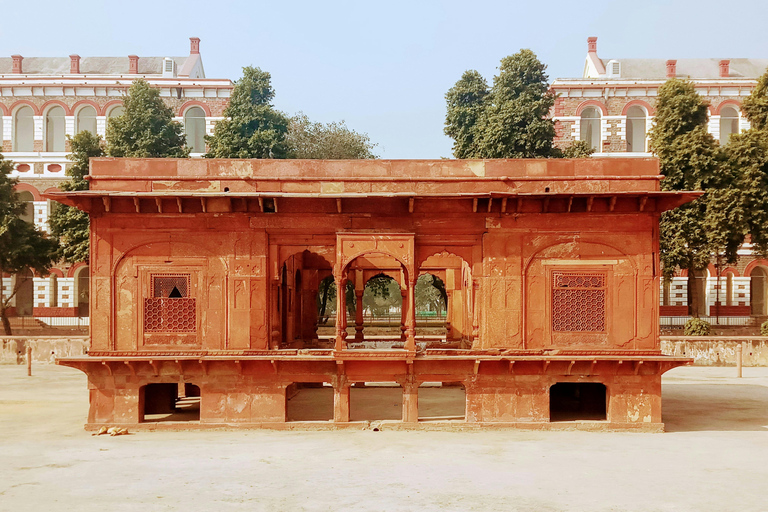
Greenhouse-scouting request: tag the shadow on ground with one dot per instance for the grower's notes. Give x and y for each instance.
(714, 407)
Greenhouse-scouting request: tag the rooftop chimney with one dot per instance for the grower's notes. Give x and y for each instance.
(725, 70)
(74, 64)
(592, 45)
(133, 65)
(17, 63)
(194, 45)
(671, 68)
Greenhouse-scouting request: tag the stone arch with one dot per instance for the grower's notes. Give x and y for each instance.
(78, 105)
(73, 269)
(716, 110)
(24, 126)
(110, 106)
(194, 103)
(4, 110)
(21, 103)
(55, 132)
(300, 268)
(86, 117)
(592, 103)
(26, 187)
(649, 110)
(55, 103)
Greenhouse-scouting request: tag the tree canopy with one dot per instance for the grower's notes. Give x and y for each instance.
(691, 159)
(332, 141)
(748, 159)
(508, 121)
(70, 225)
(146, 129)
(252, 127)
(23, 247)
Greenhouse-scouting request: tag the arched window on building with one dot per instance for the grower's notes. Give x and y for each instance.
(729, 123)
(729, 289)
(24, 130)
(636, 129)
(194, 128)
(86, 120)
(589, 128)
(55, 131)
(29, 210)
(116, 111)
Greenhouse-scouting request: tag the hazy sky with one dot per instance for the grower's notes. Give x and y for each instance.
(384, 67)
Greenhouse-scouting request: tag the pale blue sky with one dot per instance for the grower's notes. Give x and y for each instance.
(384, 67)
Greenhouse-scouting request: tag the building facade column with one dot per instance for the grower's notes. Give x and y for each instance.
(341, 313)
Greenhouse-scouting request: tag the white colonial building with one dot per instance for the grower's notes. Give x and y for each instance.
(612, 106)
(45, 99)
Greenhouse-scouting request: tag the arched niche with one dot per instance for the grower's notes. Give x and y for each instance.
(586, 295)
(135, 300)
(295, 311)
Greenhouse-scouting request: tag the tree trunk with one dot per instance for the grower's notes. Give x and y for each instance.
(4, 316)
(3, 304)
(693, 295)
(323, 304)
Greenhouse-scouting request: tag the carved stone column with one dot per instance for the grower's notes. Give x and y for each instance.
(403, 312)
(410, 318)
(359, 315)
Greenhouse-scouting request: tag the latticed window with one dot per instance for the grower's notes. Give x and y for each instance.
(170, 308)
(578, 302)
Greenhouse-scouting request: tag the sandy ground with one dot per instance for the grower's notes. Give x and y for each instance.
(713, 458)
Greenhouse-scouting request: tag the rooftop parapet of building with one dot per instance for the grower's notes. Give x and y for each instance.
(630, 184)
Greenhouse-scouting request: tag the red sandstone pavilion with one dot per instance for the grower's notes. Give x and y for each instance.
(205, 278)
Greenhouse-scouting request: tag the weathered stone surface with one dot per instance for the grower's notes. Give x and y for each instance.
(211, 278)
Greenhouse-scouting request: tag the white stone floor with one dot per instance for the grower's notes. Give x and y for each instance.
(714, 457)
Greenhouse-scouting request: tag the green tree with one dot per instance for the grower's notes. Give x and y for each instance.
(430, 294)
(690, 159)
(146, 129)
(509, 121)
(466, 103)
(578, 149)
(252, 128)
(748, 158)
(332, 141)
(70, 225)
(23, 247)
(755, 106)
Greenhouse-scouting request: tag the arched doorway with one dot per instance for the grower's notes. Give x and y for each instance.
(431, 304)
(29, 206)
(381, 310)
(194, 129)
(305, 298)
(757, 291)
(589, 128)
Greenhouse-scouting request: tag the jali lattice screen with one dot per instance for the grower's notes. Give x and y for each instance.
(578, 302)
(170, 309)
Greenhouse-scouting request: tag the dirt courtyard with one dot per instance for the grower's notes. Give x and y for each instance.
(714, 457)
